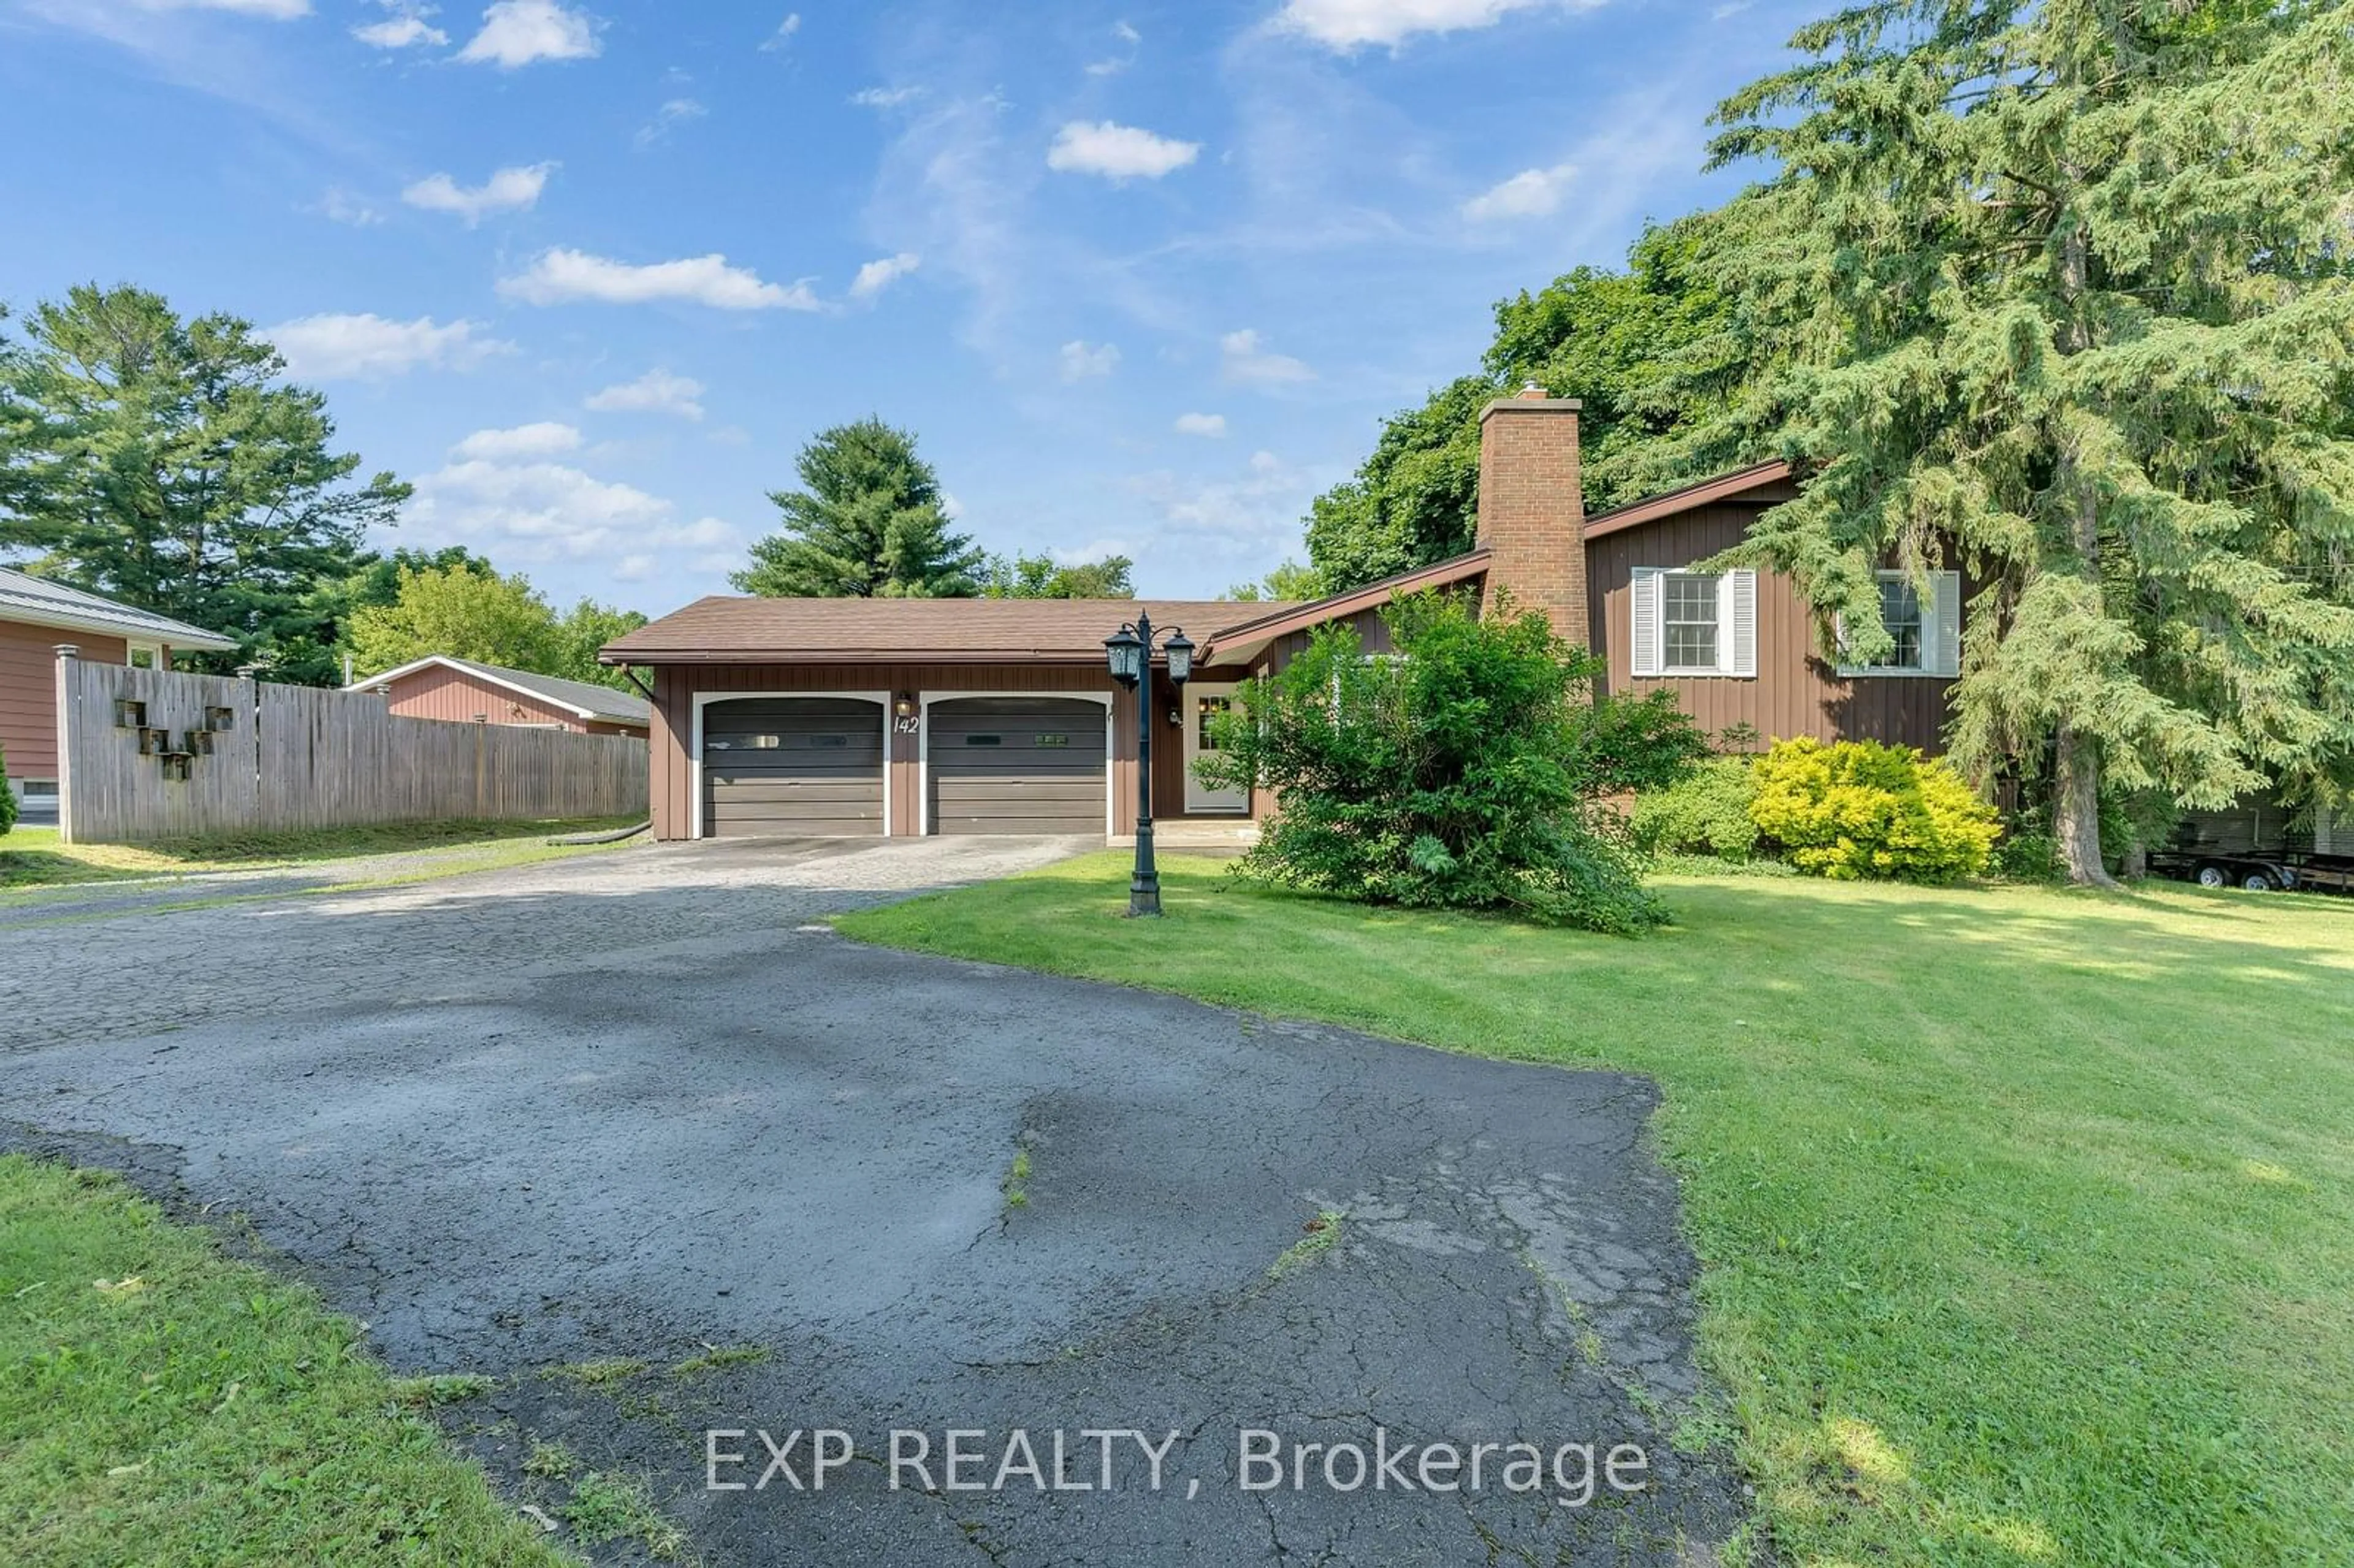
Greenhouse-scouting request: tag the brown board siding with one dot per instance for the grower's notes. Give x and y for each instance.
(439, 691)
(676, 686)
(1796, 691)
(28, 691)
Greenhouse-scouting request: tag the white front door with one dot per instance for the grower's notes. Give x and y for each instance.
(1202, 704)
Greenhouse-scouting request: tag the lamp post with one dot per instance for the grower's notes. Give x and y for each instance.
(1130, 650)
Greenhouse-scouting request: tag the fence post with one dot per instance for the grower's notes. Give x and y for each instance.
(67, 653)
(482, 730)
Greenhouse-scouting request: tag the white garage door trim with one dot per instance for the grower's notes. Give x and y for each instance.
(924, 745)
(704, 699)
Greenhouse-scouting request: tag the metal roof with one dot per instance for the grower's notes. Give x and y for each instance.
(41, 601)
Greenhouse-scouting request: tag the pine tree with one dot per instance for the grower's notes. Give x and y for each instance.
(869, 525)
(164, 464)
(2065, 288)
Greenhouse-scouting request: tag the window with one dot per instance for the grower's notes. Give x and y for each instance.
(144, 656)
(830, 742)
(1204, 710)
(1925, 631)
(1693, 623)
(1688, 620)
(1899, 612)
(984, 740)
(1050, 740)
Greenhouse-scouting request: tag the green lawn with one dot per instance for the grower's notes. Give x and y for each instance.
(162, 1404)
(32, 857)
(2028, 1216)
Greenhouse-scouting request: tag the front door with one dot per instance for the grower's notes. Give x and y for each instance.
(1203, 703)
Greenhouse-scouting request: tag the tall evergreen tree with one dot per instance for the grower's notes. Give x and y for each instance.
(868, 524)
(2066, 284)
(164, 464)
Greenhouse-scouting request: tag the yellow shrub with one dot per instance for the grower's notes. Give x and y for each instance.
(1854, 809)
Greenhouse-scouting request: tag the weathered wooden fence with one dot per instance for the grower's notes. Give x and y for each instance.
(156, 754)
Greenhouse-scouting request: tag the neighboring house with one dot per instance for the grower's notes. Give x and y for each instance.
(915, 716)
(36, 616)
(440, 687)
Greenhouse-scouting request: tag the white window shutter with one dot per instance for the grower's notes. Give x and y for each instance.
(1644, 629)
(1942, 643)
(1738, 624)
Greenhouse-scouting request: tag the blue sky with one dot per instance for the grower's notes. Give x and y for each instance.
(1141, 277)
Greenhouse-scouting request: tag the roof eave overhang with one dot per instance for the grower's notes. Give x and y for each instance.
(192, 639)
(1242, 643)
(656, 656)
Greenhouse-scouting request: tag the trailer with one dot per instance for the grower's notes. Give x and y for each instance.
(2269, 871)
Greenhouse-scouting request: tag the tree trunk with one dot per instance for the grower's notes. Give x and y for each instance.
(2076, 809)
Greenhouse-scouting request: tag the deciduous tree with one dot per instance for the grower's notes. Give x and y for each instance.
(1042, 576)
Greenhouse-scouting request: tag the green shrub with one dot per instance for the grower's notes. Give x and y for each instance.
(7, 797)
(1621, 744)
(1449, 778)
(1857, 809)
(1707, 814)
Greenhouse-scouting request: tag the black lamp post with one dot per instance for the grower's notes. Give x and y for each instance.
(1130, 650)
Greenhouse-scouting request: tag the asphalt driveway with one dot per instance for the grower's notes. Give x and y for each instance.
(643, 1105)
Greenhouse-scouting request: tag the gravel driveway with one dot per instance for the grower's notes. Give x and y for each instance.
(641, 1105)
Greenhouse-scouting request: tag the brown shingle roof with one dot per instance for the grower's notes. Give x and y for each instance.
(727, 630)
(1690, 498)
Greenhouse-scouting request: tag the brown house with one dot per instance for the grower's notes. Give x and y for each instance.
(37, 615)
(914, 717)
(462, 692)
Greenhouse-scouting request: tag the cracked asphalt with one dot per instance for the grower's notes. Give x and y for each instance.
(644, 1104)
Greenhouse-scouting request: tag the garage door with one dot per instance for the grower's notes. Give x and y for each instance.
(792, 764)
(1016, 765)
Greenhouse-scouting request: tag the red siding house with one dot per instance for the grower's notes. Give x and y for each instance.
(892, 717)
(461, 690)
(37, 615)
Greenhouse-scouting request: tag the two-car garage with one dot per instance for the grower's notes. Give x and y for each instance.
(814, 766)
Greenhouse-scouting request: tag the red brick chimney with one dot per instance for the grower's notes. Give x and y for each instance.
(1531, 514)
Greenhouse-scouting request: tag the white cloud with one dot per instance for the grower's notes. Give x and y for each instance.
(1346, 24)
(535, 510)
(1531, 192)
(880, 274)
(1243, 518)
(783, 36)
(545, 439)
(558, 276)
(507, 190)
(655, 392)
(340, 206)
(677, 112)
(270, 10)
(518, 32)
(1080, 363)
(886, 97)
(1243, 360)
(340, 347)
(1115, 64)
(1201, 424)
(406, 28)
(1117, 152)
